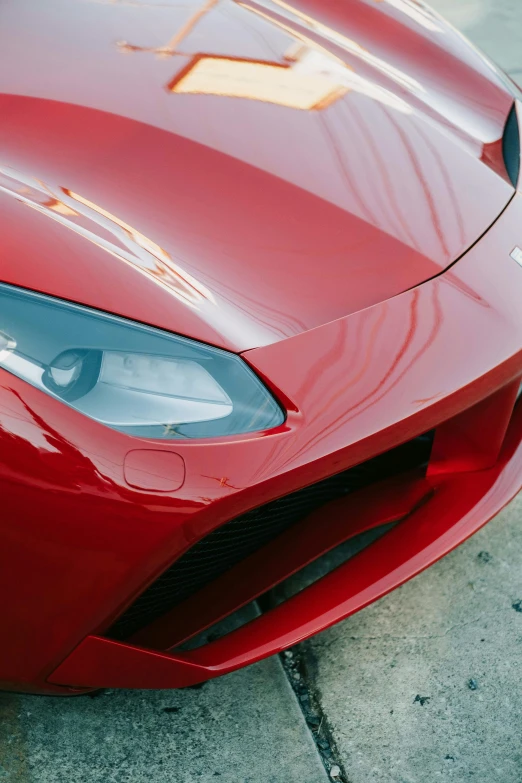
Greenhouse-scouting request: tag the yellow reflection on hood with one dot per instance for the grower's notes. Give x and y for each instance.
(260, 81)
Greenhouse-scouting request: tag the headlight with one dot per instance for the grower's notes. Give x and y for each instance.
(511, 146)
(130, 377)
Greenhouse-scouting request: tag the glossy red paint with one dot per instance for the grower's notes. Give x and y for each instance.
(241, 221)
(297, 226)
(401, 364)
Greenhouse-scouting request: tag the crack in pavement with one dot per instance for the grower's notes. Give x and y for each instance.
(301, 682)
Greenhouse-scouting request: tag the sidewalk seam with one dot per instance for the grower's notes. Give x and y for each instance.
(301, 682)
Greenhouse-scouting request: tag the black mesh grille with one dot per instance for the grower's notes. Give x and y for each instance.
(227, 545)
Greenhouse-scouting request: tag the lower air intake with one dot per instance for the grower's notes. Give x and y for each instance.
(235, 540)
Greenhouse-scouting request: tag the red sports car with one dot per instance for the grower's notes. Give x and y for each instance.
(261, 291)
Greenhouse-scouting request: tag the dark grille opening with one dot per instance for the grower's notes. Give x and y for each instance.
(227, 545)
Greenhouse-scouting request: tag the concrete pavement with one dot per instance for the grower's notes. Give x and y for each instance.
(244, 728)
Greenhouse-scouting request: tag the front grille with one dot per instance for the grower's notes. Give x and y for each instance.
(235, 540)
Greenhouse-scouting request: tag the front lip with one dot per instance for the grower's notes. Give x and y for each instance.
(353, 388)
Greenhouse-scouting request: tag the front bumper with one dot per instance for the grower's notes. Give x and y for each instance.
(79, 544)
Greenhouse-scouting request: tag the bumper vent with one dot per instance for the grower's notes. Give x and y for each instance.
(235, 540)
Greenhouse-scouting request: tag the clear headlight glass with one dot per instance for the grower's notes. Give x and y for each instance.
(128, 376)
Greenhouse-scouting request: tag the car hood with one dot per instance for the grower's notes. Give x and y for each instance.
(240, 172)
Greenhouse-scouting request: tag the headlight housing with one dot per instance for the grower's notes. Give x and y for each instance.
(133, 378)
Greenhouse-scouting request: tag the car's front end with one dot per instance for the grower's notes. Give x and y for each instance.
(274, 361)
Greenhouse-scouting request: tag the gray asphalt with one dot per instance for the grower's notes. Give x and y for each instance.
(423, 686)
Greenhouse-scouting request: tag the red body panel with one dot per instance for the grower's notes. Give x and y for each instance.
(309, 225)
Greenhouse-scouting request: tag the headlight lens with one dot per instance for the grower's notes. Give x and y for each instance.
(130, 377)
